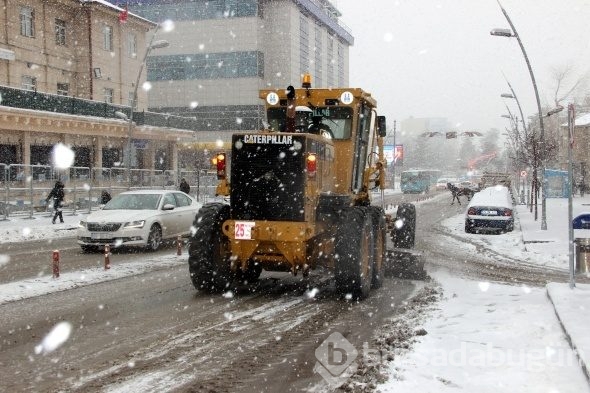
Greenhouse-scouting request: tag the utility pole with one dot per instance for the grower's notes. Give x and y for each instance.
(394, 151)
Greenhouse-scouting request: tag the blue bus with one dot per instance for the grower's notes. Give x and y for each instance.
(418, 180)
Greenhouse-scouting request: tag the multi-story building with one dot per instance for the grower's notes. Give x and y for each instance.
(74, 50)
(223, 51)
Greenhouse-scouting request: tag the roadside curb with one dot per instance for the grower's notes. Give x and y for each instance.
(568, 337)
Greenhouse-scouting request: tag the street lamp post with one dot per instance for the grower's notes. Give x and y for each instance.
(571, 121)
(513, 33)
(513, 96)
(152, 45)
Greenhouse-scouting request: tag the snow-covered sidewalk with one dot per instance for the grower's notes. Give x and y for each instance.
(490, 337)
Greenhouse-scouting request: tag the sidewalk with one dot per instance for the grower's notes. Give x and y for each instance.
(571, 305)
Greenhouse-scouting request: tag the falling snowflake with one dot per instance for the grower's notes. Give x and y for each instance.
(194, 104)
(311, 294)
(58, 335)
(4, 259)
(168, 25)
(484, 286)
(63, 156)
(239, 120)
(147, 86)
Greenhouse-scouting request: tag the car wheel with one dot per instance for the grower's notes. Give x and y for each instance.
(510, 227)
(468, 228)
(154, 238)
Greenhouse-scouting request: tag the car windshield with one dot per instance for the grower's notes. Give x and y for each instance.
(134, 202)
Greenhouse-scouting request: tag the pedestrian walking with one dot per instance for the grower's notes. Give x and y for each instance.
(455, 192)
(184, 186)
(58, 194)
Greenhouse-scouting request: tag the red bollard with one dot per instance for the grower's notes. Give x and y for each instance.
(179, 245)
(107, 257)
(55, 264)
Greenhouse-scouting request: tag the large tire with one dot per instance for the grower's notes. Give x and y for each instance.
(404, 231)
(380, 236)
(208, 247)
(251, 274)
(354, 253)
(154, 240)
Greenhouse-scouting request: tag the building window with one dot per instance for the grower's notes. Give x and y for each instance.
(198, 10)
(303, 45)
(206, 66)
(60, 32)
(108, 96)
(340, 65)
(107, 35)
(132, 45)
(29, 83)
(318, 57)
(27, 28)
(330, 58)
(63, 89)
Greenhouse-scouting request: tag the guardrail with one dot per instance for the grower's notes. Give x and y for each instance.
(25, 187)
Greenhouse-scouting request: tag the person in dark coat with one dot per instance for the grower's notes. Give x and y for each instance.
(58, 194)
(184, 186)
(455, 192)
(105, 197)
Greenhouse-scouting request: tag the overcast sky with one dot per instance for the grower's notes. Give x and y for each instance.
(436, 58)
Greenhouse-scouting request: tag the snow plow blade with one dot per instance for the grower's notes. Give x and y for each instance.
(405, 263)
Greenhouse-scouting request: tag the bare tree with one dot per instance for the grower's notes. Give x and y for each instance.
(567, 85)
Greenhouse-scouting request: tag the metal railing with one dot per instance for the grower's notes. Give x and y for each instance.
(25, 187)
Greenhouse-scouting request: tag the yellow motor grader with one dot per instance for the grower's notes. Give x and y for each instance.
(300, 195)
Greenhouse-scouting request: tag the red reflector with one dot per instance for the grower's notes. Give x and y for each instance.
(311, 164)
(507, 212)
(220, 165)
(471, 211)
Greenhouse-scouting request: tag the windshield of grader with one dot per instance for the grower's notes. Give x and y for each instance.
(337, 118)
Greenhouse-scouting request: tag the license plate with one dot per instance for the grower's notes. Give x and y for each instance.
(243, 230)
(99, 236)
(489, 213)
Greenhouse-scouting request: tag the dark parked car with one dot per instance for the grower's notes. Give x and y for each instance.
(490, 209)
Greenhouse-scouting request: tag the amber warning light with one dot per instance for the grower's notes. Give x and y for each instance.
(219, 162)
(306, 81)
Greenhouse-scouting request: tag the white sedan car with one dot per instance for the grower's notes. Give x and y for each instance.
(142, 218)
